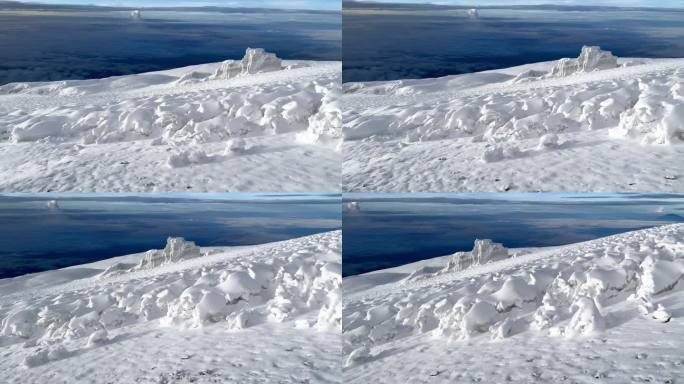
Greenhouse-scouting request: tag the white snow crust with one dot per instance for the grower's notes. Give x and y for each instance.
(253, 314)
(595, 123)
(483, 252)
(167, 130)
(609, 309)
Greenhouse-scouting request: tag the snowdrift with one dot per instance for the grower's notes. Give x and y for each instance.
(191, 118)
(565, 293)
(183, 287)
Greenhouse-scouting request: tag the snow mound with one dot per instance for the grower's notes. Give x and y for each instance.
(656, 118)
(658, 275)
(586, 320)
(564, 292)
(590, 59)
(514, 293)
(479, 318)
(484, 251)
(239, 285)
(176, 249)
(325, 127)
(256, 60)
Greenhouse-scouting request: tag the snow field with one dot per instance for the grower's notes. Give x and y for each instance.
(182, 288)
(561, 296)
(495, 121)
(190, 117)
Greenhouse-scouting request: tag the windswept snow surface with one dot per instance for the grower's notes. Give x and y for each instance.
(595, 123)
(255, 314)
(176, 130)
(609, 310)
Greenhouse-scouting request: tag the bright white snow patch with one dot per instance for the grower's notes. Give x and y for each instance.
(177, 314)
(608, 308)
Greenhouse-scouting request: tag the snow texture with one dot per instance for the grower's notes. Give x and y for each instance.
(266, 313)
(594, 123)
(168, 130)
(608, 309)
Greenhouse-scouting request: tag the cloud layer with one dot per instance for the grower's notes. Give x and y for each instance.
(611, 3)
(279, 4)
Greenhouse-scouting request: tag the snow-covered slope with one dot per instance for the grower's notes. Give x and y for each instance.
(256, 124)
(610, 309)
(253, 314)
(588, 124)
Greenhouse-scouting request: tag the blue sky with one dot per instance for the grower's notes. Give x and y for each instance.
(284, 4)
(617, 3)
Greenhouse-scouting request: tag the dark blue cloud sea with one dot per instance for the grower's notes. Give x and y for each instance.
(48, 45)
(388, 231)
(384, 42)
(89, 228)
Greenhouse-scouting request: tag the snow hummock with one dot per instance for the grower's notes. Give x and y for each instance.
(166, 130)
(256, 60)
(594, 123)
(590, 59)
(177, 249)
(179, 315)
(609, 308)
(483, 252)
